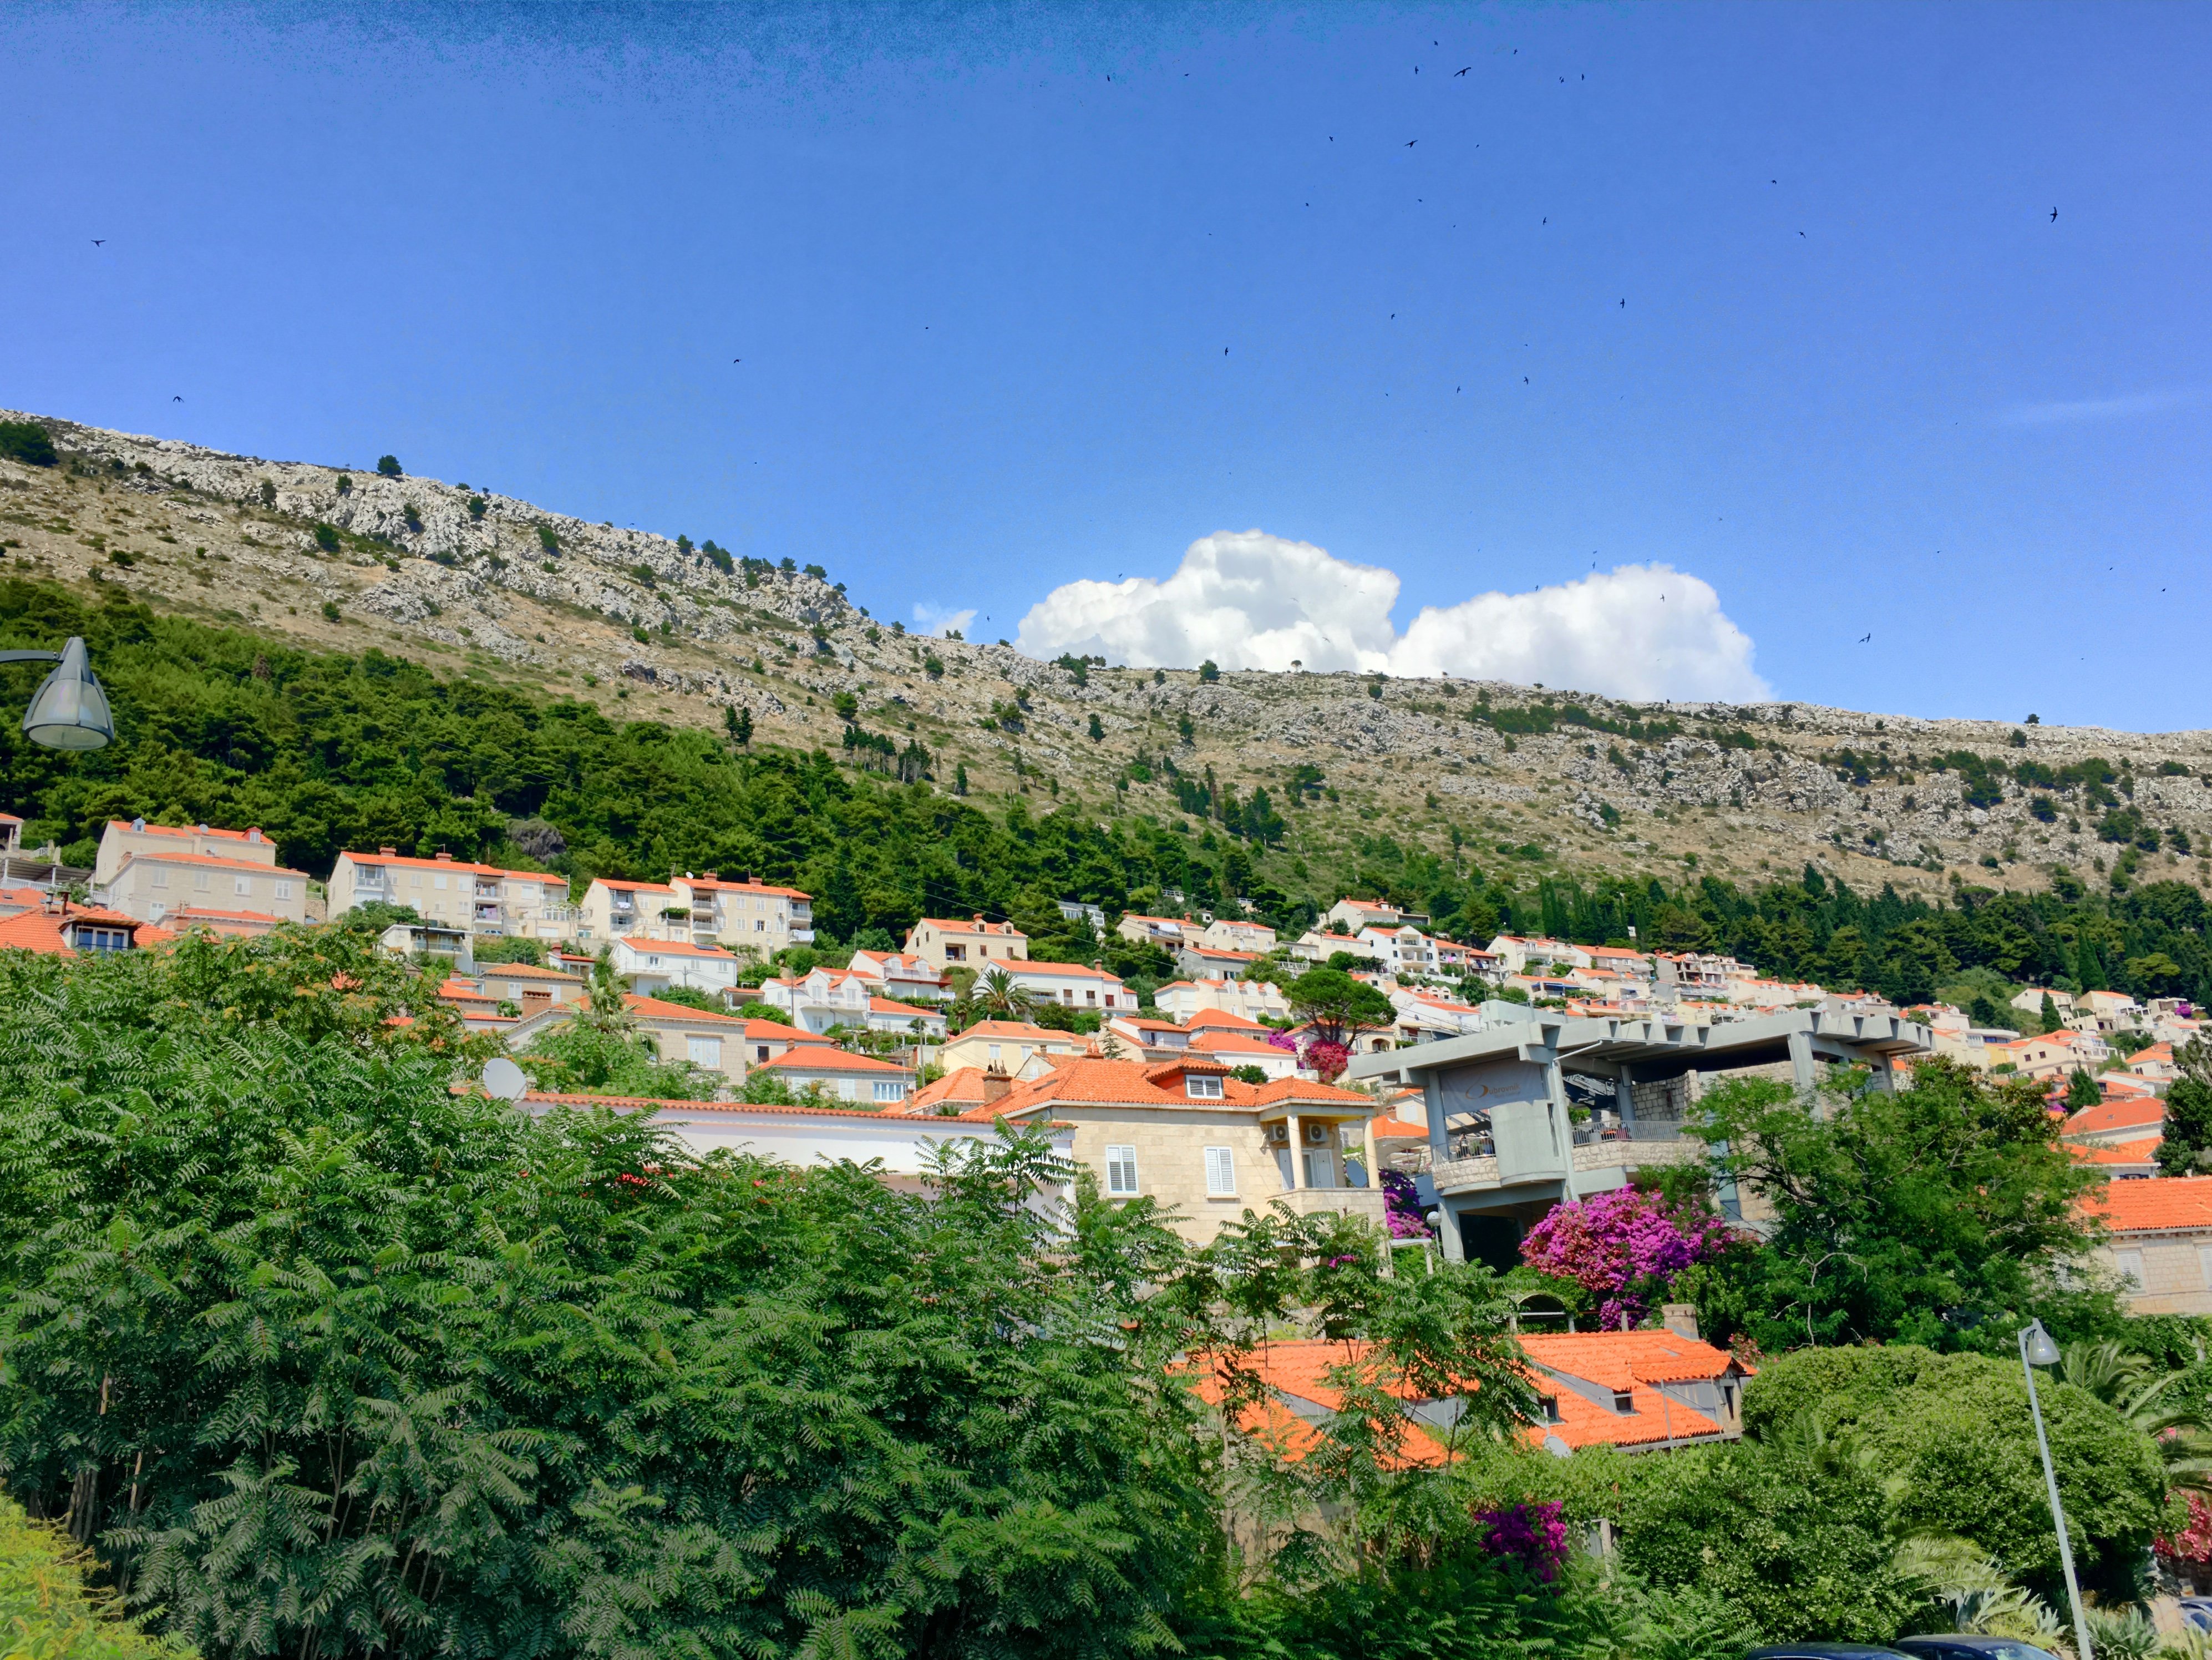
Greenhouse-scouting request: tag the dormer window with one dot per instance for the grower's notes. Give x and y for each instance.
(1202, 1088)
(1623, 1401)
(1550, 1403)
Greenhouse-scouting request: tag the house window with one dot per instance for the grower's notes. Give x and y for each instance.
(160, 878)
(200, 883)
(2204, 1264)
(1728, 1400)
(956, 953)
(1220, 1173)
(242, 885)
(283, 889)
(1551, 1406)
(760, 1051)
(438, 881)
(704, 1051)
(1121, 1172)
(1623, 1401)
(2130, 1263)
(892, 1091)
(1208, 1088)
(653, 962)
(994, 1053)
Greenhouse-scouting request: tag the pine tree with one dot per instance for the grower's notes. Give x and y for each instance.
(2187, 1147)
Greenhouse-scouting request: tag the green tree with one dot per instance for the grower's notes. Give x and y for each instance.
(1935, 1214)
(999, 996)
(27, 442)
(388, 465)
(738, 722)
(1338, 1006)
(2186, 1146)
(1098, 731)
(2047, 1011)
(2082, 1090)
(1209, 671)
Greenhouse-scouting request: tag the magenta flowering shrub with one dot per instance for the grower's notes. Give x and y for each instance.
(1327, 1059)
(1283, 1040)
(1625, 1247)
(1535, 1536)
(1402, 1207)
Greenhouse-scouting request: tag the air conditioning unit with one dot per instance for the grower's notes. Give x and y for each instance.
(1278, 1136)
(1316, 1134)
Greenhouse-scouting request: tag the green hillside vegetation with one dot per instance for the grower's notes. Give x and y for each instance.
(326, 751)
(48, 1607)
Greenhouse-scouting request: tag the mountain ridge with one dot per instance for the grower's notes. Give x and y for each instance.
(483, 583)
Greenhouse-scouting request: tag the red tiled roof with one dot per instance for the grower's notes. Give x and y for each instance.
(885, 1005)
(2120, 1112)
(653, 1008)
(527, 972)
(1222, 1018)
(412, 863)
(964, 1085)
(128, 829)
(632, 887)
(1018, 1030)
(1614, 1359)
(971, 925)
(636, 1103)
(676, 948)
(2161, 1204)
(829, 1058)
(209, 862)
(2144, 1152)
(715, 884)
(1234, 1043)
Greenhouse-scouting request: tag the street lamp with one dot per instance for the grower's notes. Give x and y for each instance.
(2036, 1349)
(68, 711)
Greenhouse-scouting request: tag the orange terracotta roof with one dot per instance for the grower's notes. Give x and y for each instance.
(676, 948)
(1235, 1043)
(2144, 1152)
(621, 887)
(715, 884)
(653, 1008)
(1222, 1018)
(1614, 1359)
(962, 1087)
(413, 863)
(34, 930)
(1652, 1420)
(1017, 1029)
(527, 972)
(971, 925)
(650, 1103)
(2161, 1204)
(2120, 1112)
(128, 829)
(209, 862)
(1061, 970)
(885, 1005)
(758, 1030)
(829, 1058)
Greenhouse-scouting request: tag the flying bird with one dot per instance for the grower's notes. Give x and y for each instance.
(99, 241)
(1459, 72)
(1624, 305)
(2054, 215)
(177, 397)
(1410, 143)
(1800, 232)
(737, 360)
(1864, 638)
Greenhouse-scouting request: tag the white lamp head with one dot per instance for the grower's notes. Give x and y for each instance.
(2036, 1344)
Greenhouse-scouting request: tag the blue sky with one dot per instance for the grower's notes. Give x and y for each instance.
(1007, 323)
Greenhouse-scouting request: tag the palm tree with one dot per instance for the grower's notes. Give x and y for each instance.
(2125, 1382)
(1001, 996)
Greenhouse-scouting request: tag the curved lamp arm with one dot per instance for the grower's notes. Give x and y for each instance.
(30, 657)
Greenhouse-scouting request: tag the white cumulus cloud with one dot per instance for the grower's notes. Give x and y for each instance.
(1252, 600)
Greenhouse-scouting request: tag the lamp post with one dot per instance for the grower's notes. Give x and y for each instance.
(2036, 1349)
(68, 711)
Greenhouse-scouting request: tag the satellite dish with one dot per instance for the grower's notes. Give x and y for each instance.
(504, 1081)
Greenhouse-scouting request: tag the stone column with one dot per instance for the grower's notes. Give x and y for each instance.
(1624, 1099)
(1563, 1128)
(1297, 1152)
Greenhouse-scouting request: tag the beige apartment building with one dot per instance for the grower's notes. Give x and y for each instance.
(949, 943)
(122, 838)
(744, 916)
(1200, 1142)
(482, 899)
(181, 889)
(617, 909)
(2158, 1240)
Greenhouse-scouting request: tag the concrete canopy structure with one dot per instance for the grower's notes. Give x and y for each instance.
(1504, 1147)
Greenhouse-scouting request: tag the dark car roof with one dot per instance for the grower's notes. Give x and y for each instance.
(1823, 1651)
(1977, 1641)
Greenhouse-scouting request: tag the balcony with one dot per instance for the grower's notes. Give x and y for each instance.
(805, 936)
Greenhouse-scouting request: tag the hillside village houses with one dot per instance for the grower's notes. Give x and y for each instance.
(483, 899)
(180, 875)
(902, 978)
(616, 909)
(1255, 1000)
(1006, 1045)
(826, 997)
(654, 965)
(1071, 985)
(947, 943)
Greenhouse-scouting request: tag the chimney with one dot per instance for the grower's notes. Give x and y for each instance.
(138, 823)
(711, 877)
(996, 1083)
(1680, 1318)
(389, 853)
(444, 858)
(254, 833)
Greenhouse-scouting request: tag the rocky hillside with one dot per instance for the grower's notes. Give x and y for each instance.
(482, 584)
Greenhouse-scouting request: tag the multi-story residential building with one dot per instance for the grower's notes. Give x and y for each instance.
(617, 909)
(1516, 955)
(1358, 914)
(836, 1074)
(1071, 985)
(2030, 1000)
(743, 916)
(1234, 1048)
(1703, 974)
(975, 944)
(712, 1042)
(826, 997)
(1143, 1038)
(1169, 933)
(653, 965)
(178, 889)
(483, 899)
(1404, 950)
(1425, 1017)
(2107, 1012)
(2053, 1055)
(1082, 910)
(122, 838)
(1006, 1046)
(902, 978)
(1196, 959)
(1203, 1143)
(1238, 934)
(1253, 999)
(1455, 958)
